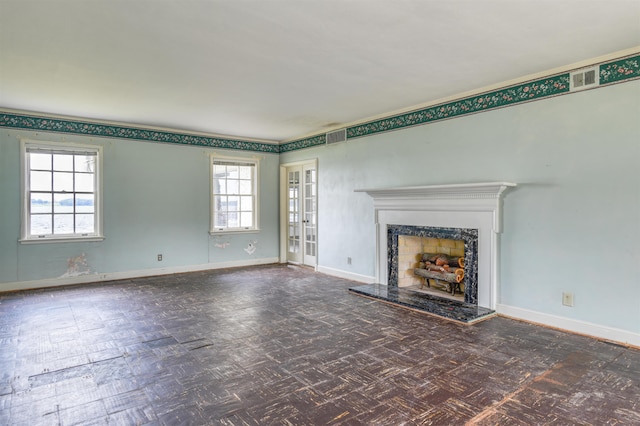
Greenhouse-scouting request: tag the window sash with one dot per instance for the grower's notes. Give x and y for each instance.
(234, 195)
(66, 203)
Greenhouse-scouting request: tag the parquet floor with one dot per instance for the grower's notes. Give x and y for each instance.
(284, 345)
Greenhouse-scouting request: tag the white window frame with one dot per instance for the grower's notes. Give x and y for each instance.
(26, 236)
(253, 161)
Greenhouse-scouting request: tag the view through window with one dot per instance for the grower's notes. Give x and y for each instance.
(61, 191)
(234, 195)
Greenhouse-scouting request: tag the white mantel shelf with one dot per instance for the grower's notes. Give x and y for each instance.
(482, 196)
(451, 191)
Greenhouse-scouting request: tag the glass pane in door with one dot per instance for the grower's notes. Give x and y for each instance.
(293, 212)
(310, 212)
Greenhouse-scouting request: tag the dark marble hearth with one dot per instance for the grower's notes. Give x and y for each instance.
(446, 308)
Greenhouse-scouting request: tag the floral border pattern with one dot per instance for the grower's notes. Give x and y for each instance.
(303, 143)
(512, 95)
(610, 72)
(25, 122)
(623, 69)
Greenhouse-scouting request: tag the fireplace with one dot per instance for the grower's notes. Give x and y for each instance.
(466, 236)
(467, 212)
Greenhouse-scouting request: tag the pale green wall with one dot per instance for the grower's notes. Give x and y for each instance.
(156, 200)
(573, 223)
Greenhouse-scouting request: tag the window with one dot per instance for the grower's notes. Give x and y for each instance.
(61, 191)
(234, 194)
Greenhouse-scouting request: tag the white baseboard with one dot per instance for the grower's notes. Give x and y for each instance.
(346, 274)
(576, 326)
(124, 275)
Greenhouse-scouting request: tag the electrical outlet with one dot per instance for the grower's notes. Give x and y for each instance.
(159, 258)
(348, 260)
(567, 299)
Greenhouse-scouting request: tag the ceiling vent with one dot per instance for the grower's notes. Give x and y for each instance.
(584, 79)
(337, 136)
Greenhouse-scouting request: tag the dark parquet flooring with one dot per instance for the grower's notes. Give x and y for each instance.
(284, 345)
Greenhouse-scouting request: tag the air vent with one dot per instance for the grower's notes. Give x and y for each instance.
(584, 79)
(337, 136)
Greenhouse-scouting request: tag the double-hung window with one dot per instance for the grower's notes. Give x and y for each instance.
(234, 204)
(61, 190)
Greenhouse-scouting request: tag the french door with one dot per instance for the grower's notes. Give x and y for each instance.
(300, 213)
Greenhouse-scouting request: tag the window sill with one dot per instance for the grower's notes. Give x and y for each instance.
(234, 231)
(61, 240)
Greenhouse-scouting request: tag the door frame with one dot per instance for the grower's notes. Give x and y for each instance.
(283, 207)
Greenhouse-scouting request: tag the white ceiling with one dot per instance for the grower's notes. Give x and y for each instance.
(282, 69)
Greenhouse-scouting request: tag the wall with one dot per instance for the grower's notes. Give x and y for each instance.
(156, 201)
(572, 224)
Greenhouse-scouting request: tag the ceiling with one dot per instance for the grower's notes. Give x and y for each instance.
(282, 69)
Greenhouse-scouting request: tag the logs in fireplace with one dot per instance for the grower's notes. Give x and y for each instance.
(446, 271)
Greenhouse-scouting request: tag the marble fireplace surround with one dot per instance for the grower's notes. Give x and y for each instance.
(436, 209)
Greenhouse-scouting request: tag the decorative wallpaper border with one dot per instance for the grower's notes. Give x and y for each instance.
(610, 72)
(27, 122)
(513, 95)
(623, 69)
(303, 143)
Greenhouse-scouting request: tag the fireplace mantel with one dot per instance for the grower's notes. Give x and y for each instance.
(486, 196)
(456, 190)
(467, 205)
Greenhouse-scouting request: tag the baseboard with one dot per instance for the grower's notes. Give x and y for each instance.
(125, 275)
(346, 275)
(576, 326)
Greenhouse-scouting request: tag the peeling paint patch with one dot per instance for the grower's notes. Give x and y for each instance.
(77, 266)
(220, 243)
(251, 248)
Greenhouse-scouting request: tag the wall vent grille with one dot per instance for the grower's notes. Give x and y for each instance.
(584, 79)
(337, 136)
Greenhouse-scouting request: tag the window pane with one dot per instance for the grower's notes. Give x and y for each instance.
(246, 203)
(40, 181)
(233, 203)
(84, 182)
(233, 172)
(246, 219)
(84, 203)
(63, 224)
(41, 224)
(233, 187)
(219, 171)
(220, 203)
(63, 203)
(63, 181)
(233, 221)
(40, 203)
(63, 162)
(85, 223)
(246, 172)
(220, 220)
(219, 186)
(245, 187)
(85, 163)
(40, 161)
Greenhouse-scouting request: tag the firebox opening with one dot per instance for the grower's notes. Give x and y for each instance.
(432, 265)
(469, 238)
